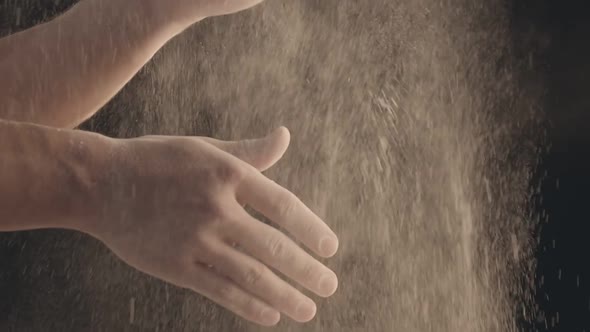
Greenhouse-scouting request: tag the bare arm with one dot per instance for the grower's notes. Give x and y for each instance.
(47, 175)
(61, 72)
(172, 207)
(169, 206)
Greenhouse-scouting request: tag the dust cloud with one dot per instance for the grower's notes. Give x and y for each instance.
(412, 136)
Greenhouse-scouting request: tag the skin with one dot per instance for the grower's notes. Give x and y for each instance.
(172, 207)
(63, 71)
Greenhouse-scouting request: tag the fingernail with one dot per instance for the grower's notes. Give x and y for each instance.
(328, 246)
(270, 317)
(306, 311)
(328, 284)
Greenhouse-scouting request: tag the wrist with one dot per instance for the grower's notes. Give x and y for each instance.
(91, 166)
(163, 18)
(52, 177)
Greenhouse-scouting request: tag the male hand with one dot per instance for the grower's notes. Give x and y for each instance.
(173, 208)
(187, 12)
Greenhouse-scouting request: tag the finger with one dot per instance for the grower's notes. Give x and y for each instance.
(229, 7)
(278, 251)
(259, 280)
(227, 294)
(285, 209)
(261, 153)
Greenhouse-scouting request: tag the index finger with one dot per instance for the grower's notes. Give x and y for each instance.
(285, 209)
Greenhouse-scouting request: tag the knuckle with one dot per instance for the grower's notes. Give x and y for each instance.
(255, 274)
(311, 230)
(226, 291)
(208, 228)
(286, 205)
(206, 245)
(214, 214)
(251, 306)
(212, 211)
(310, 273)
(230, 172)
(276, 247)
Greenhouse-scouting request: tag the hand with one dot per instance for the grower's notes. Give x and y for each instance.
(188, 12)
(221, 7)
(174, 210)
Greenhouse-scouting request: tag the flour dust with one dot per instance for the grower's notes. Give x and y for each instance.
(411, 136)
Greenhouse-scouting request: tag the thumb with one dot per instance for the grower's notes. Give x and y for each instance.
(261, 153)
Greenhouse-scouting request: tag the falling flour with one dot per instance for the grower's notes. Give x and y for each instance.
(411, 136)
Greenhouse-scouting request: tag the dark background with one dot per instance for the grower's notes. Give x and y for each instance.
(563, 273)
(560, 31)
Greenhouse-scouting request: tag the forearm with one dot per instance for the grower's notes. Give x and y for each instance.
(48, 176)
(61, 72)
